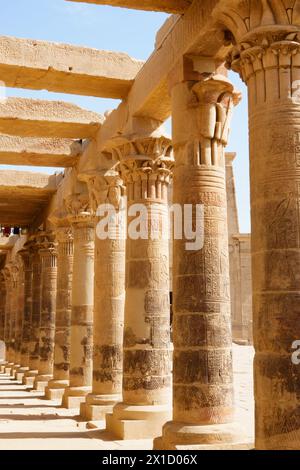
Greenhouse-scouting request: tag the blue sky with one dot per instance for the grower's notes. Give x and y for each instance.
(112, 29)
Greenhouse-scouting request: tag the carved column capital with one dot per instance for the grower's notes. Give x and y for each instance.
(105, 187)
(48, 245)
(146, 164)
(216, 98)
(26, 255)
(202, 114)
(265, 36)
(64, 234)
(78, 208)
(246, 20)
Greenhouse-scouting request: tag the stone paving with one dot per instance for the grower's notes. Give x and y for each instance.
(27, 421)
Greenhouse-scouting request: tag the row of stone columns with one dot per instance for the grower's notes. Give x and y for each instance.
(110, 352)
(96, 323)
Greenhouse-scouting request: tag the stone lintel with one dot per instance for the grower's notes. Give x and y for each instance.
(40, 118)
(166, 6)
(45, 152)
(178, 45)
(64, 68)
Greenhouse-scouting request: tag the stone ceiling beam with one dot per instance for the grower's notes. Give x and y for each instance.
(180, 40)
(63, 68)
(166, 6)
(28, 151)
(22, 180)
(23, 195)
(40, 118)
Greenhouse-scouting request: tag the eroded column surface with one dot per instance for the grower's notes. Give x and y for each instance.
(2, 305)
(56, 387)
(203, 404)
(2, 314)
(48, 256)
(14, 271)
(267, 55)
(106, 188)
(81, 359)
(7, 277)
(36, 288)
(19, 316)
(146, 402)
(26, 256)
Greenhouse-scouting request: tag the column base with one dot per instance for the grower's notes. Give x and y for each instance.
(14, 370)
(182, 436)
(2, 367)
(137, 422)
(74, 396)
(56, 389)
(8, 368)
(20, 373)
(96, 407)
(29, 377)
(41, 382)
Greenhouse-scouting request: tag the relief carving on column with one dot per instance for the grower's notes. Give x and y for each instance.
(77, 206)
(105, 187)
(212, 101)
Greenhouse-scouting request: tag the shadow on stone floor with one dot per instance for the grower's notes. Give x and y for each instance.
(47, 417)
(12, 390)
(45, 435)
(19, 405)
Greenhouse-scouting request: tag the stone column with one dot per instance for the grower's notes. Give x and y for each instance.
(2, 315)
(146, 402)
(19, 317)
(8, 283)
(26, 257)
(48, 256)
(56, 387)
(267, 55)
(106, 188)
(81, 359)
(13, 314)
(34, 304)
(2, 305)
(203, 404)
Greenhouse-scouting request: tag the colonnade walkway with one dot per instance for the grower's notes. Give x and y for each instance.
(28, 421)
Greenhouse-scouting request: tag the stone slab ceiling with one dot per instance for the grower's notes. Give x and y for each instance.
(39, 118)
(23, 195)
(64, 68)
(166, 6)
(38, 151)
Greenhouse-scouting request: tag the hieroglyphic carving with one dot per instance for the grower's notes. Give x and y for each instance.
(265, 40)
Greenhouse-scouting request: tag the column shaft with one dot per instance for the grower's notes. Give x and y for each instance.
(26, 328)
(270, 67)
(48, 308)
(7, 313)
(2, 305)
(81, 360)
(109, 299)
(147, 360)
(62, 347)
(203, 405)
(20, 315)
